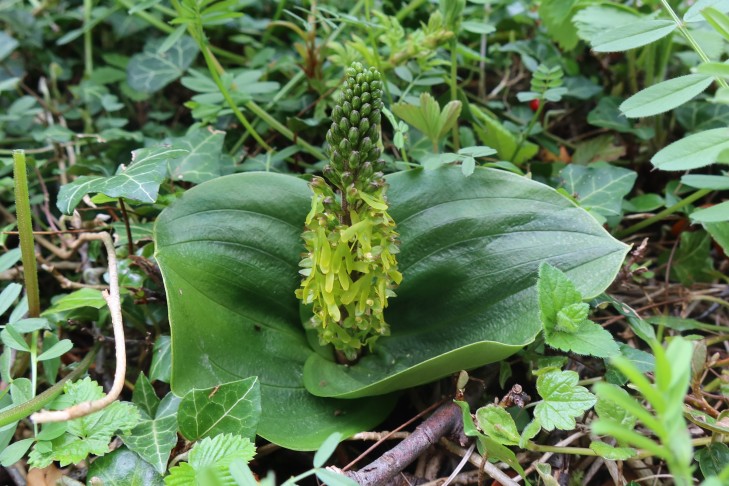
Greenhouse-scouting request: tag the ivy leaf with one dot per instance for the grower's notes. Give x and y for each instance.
(611, 453)
(144, 396)
(210, 459)
(498, 424)
(85, 435)
(139, 181)
(202, 162)
(562, 400)
(124, 467)
(153, 439)
(152, 70)
(713, 458)
(599, 188)
(233, 408)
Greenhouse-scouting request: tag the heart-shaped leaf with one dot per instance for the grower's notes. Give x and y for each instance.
(470, 251)
(229, 251)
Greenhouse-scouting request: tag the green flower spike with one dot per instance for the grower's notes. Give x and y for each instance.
(350, 267)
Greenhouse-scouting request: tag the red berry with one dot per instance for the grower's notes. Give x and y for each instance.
(534, 104)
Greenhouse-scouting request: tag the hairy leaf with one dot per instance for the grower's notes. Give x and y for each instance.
(562, 400)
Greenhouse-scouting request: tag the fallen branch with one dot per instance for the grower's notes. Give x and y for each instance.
(113, 300)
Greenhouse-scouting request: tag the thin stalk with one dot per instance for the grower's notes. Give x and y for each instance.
(523, 137)
(578, 451)
(25, 233)
(25, 409)
(88, 42)
(687, 35)
(454, 88)
(408, 9)
(283, 130)
(663, 214)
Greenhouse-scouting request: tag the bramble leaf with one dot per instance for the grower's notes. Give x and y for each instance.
(209, 461)
(562, 400)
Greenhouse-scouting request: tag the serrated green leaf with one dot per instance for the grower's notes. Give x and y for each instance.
(123, 467)
(530, 431)
(150, 71)
(203, 159)
(209, 461)
(233, 407)
(694, 151)
(587, 339)
(632, 35)
(562, 400)
(665, 96)
(555, 292)
(498, 424)
(139, 181)
(611, 453)
(599, 188)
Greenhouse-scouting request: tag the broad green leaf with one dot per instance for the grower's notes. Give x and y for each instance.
(203, 159)
(612, 453)
(562, 400)
(139, 181)
(150, 71)
(233, 408)
(124, 468)
(428, 117)
(469, 268)
(230, 248)
(229, 251)
(555, 291)
(713, 214)
(718, 69)
(665, 95)
(81, 298)
(599, 188)
(701, 181)
(161, 360)
(498, 424)
(632, 35)
(493, 134)
(694, 151)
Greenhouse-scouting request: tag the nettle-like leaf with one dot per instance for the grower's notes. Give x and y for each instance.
(564, 317)
(152, 70)
(139, 181)
(209, 461)
(498, 424)
(85, 435)
(230, 408)
(470, 249)
(562, 400)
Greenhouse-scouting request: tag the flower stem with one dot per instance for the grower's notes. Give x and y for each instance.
(663, 214)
